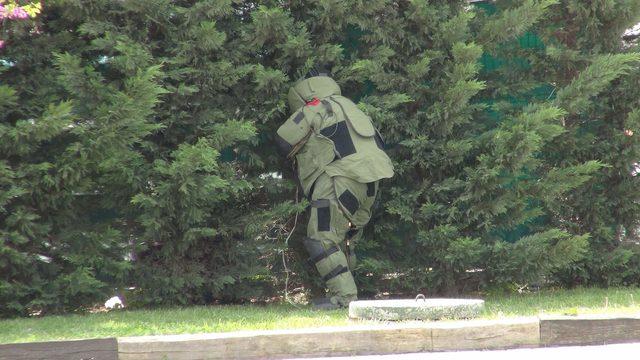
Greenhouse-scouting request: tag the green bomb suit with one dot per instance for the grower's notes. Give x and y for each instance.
(340, 159)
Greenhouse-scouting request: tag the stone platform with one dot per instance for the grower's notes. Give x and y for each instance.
(417, 309)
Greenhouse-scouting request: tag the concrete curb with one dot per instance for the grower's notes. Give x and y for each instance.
(391, 338)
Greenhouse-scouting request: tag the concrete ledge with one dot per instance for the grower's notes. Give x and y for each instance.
(418, 309)
(96, 349)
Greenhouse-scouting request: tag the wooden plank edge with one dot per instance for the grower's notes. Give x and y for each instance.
(96, 349)
(589, 330)
(393, 338)
(279, 344)
(390, 338)
(487, 335)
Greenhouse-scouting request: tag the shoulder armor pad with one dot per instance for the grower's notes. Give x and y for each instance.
(358, 120)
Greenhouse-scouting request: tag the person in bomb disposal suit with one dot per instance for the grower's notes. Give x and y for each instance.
(339, 157)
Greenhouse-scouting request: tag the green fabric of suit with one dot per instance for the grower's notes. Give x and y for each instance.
(339, 160)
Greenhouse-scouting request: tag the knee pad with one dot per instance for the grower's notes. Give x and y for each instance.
(317, 251)
(317, 254)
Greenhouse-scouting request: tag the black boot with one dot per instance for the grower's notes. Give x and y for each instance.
(325, 304)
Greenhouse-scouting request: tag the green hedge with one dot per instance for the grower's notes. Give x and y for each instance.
(136, 149)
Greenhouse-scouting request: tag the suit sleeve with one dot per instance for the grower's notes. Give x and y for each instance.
(293, 133)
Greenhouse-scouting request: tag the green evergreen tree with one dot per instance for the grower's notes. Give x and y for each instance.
(143, 196)
(558, 63)
(474, 175)
(171, 171)
(596, 76)
(137, 146)
(48, 259)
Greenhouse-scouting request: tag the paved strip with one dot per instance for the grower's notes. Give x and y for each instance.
(618, 351)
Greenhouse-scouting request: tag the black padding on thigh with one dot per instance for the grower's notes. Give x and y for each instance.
(314, 247)
(349, 201)
(335, 272)
(371, 189)
(324, 218)
(298, 117)
(325, 254)
(339, 134)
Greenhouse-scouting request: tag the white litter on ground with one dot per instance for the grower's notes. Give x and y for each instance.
(634, 31)
(114, 303)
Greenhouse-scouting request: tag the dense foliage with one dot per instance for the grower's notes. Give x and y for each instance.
(136, 151)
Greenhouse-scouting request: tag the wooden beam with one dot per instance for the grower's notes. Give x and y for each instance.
(589, 330)
(359, 339)
(389, 338)
(484, 334)
(96, 349)
(280, 344)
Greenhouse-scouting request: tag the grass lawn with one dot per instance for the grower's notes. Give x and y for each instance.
(206, 319)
